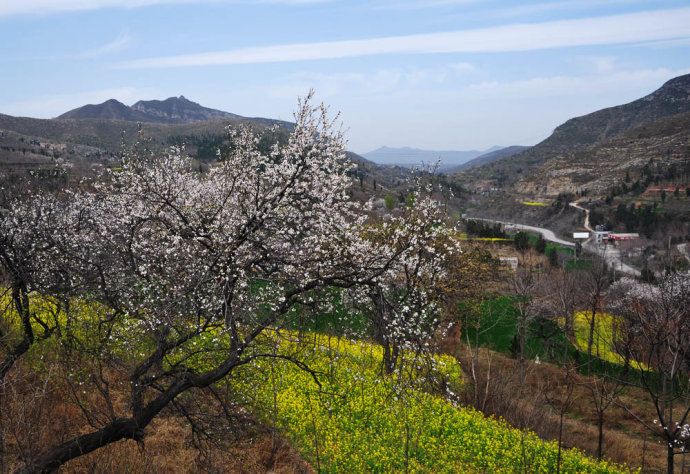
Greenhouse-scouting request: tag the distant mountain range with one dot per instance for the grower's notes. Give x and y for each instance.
(411, 157)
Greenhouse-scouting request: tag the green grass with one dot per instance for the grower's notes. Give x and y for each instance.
(559, 248)
(578, 265)
(493, 324)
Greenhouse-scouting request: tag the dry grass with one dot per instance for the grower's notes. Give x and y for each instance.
(536, 404)
(38, 413)
(167, 450)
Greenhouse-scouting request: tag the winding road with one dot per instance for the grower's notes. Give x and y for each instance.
(546, 233)
(610, 253)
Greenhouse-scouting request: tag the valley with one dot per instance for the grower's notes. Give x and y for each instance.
(253, 297)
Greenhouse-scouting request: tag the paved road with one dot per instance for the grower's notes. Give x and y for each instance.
(546, 233)
(610, 253)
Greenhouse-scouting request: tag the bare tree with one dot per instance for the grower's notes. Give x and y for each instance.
(657, 337)
(558, 298)
(593, 284)
(524, 284)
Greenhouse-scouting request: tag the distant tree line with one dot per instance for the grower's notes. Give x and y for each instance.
(485, 229)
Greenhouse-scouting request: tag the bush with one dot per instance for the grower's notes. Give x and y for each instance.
(521, 240)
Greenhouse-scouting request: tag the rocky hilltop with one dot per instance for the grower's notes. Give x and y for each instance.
(171, 110)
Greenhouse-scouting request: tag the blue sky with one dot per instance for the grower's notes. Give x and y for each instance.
(435, 74)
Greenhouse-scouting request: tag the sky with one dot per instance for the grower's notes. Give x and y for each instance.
(432, 74)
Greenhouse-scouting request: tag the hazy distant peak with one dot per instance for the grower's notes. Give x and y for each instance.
(410, 157)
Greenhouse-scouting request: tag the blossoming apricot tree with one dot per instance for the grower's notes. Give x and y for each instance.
(192, 268)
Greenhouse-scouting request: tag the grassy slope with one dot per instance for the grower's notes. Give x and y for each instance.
(358, 421)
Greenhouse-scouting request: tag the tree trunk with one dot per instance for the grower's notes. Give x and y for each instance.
(560, 440)
(590, 340)
(600, 443)
(570, 326)
(3, 453)
(669, 459)
(521, 351)
(122, 428)
(20, 297)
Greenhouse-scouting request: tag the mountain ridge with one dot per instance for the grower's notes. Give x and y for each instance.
(173, 110)
(489, 157)
(579, 134)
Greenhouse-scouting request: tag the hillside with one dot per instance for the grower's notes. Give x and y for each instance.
(600, 168)
(487, 158)
(593, 152)
(27, 143)
(671, 98)
(581, 134)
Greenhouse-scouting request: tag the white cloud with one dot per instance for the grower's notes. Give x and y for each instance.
(42, 7)
(120, 43)
(446, 114)
(419, 4)
(589, 86)
(374, 83)
(462, 67)
(56, 104)
(617, 29)
(603, 64)
(526, 9)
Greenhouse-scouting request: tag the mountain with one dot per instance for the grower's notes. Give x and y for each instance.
(171, 110)
(489, 157)
(178, 110)
(600, 169)
(108, 110)
(411, 157)
(92, 136)
(671, 98)
(543, 167)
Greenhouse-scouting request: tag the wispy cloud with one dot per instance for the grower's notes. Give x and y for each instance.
(419, 4)
(43, 7)
(56, 104)
(120, 43)
(379, 82)
(616, 29)
(526, 9)
(591, 85)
